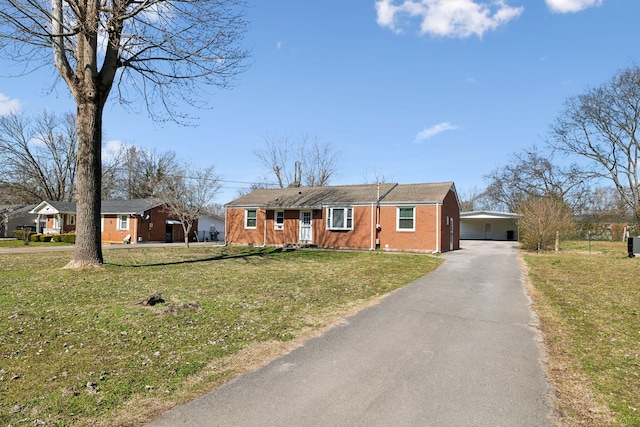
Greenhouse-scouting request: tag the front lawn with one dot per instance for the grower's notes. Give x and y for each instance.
(78, 348)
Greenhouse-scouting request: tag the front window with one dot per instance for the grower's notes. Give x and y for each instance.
(123, 222)
(339, 218)
(250, 218)
(279, 220)
(71, 219)
(406, 219)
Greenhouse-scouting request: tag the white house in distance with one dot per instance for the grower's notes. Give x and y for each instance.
(488, 225)
(210, 228)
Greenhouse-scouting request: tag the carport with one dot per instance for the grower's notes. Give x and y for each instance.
(488, 225)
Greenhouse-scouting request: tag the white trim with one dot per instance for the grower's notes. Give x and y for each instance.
(276, 224)
(119, 219)
(347, 218)
(246, 218)
(413, 218)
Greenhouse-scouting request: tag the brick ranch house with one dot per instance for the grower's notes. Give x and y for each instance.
(143, 220)
(389, 216)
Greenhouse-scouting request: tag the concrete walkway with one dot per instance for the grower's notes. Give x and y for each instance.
(457, 347)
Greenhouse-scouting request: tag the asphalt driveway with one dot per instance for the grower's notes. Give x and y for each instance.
(457, 347)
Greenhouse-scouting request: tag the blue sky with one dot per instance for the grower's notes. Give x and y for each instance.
(418, 91)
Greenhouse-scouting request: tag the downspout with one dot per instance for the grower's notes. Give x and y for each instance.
(226, 228)
(437, 229)
(264, 227)
(373, 228)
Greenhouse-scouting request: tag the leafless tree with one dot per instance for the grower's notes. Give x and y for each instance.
(469, 199)
(542, 221)
(604, 204)
(533, 173)
(306, 162)
(601, 125)
(253, 186)
(161, 51)
(188, 195)
(38, 156)
(140, 173)
(374, 177)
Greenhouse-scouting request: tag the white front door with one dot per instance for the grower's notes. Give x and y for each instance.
(305, 226)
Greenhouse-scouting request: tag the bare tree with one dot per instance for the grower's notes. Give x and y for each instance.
(140, 173)
(542, 221)
(601, 125)
(533, 173)
(189, 194)
(469, 199)
(253, 186)
(604, 204)
(38, 156)
(157, 50)
(374, 177)
(306, 162)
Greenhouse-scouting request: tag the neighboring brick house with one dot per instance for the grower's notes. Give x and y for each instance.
(142, 220)
(417, 217)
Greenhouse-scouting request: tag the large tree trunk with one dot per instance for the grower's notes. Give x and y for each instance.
(88, 249)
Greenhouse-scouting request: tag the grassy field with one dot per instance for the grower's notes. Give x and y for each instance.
(77, 348)
(15, 243)
(588, 299)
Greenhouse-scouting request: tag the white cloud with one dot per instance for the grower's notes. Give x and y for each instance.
(447, 18)
(8, 105)
(434, 130)
(569, 6)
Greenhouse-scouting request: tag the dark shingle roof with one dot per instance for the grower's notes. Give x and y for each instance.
(62, 207)
(312, 197)
(134, 206)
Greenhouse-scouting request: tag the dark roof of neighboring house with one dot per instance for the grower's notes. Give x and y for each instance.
(16, 209)
(62, 207)
(313, 197)
(133, 206)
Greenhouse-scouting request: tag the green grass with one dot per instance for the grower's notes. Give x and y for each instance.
(589, 304)
(16, 243)
(78, 349)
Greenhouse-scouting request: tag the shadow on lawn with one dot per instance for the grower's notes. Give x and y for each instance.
(222, 256)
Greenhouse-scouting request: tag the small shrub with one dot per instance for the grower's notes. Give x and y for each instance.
(23, 234)
(36, 237)
(67, 238)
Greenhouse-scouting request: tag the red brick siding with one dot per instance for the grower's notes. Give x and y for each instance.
(423, 238)
(153, 229)
(358, 237)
